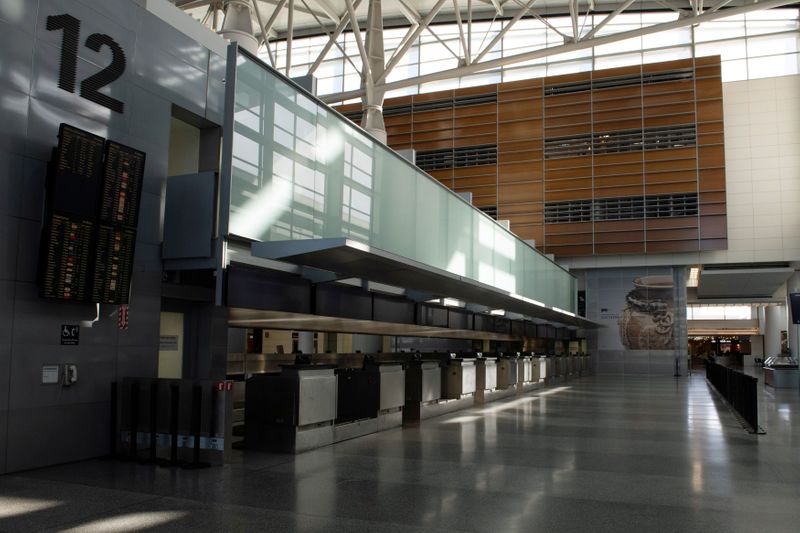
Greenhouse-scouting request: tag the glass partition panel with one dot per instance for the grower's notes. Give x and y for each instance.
(301, 171)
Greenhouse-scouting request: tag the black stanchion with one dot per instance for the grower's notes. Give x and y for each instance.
(153, 420)
(112, 445)
(197, 410)
(174, 408)
(134, 413)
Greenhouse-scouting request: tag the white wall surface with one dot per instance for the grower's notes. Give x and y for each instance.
(762, 165)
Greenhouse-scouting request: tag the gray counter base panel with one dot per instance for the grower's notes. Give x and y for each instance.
(441, 407)
(390, 419)
(352, 430)
(529, 386)
(486, 396)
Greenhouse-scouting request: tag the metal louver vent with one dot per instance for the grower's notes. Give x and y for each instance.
(468, 156)
(623, 208)
(619, 81)
(613, 142)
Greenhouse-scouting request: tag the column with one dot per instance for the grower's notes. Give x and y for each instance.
(775, 323)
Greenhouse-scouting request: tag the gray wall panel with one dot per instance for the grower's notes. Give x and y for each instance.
(6, 316)
(170, 77)
(38, 320)
(3, 440)
(137, 361)
(149, 219)
(161, 36)
(20, 13)
(121, 12)
(215, 98)
(95, 371)
(31, 188)
(9, 231)
(151, 121)
(30, 232)
(5, 362)
(13, 120)
(39, 437)
(17, 47)
(10, 170)
(147, 258)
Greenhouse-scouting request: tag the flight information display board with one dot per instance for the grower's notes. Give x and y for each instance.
(77, 175)
(122, 185)
(68, 258)
(113, 264)
(89, 237)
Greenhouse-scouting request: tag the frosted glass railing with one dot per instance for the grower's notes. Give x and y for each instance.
(301, 171)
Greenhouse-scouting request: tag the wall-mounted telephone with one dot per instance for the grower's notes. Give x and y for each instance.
(70, 374)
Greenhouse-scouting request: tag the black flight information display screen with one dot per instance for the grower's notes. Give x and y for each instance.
(89, 236)
(122, 187)
(67, 262)
(77, 172)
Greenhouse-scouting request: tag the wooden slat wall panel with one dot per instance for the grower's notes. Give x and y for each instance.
(523, 180)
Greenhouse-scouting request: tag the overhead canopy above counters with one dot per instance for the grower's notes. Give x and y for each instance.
(305, 186)
(348, 258)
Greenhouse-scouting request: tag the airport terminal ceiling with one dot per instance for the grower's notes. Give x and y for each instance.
(471, 32)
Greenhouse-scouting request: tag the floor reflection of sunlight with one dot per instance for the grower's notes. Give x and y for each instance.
(129, 522)
(10, 506)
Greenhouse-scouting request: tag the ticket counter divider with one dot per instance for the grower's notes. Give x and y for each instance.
(294, 403)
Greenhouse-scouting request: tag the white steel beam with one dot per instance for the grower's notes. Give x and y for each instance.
(497, 7)
(398, 55)
(719, 5)
(569, 47)
(413, 17)
(609, 18)
(333, 40)
(289, 39)
(521, 13)
(365, 70)
(573, 14)
(461, 36)
(324, 30)
(327, 9)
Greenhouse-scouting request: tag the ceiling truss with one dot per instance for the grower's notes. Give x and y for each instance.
(332, 17)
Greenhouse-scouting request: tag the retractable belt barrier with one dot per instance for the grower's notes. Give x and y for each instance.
(738, 389)
(186, 423)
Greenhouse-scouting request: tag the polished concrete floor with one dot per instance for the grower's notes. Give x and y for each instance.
(592, 454)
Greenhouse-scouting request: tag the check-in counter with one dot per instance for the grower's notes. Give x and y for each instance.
(293, 410)
(506, 371)
(486, 373)
(539, 368)
(550, 361)
(423, 384)
(358, 394)
(525, 369)
(392, 377)
(461, 378)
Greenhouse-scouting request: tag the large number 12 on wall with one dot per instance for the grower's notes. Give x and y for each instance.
(69, 61)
